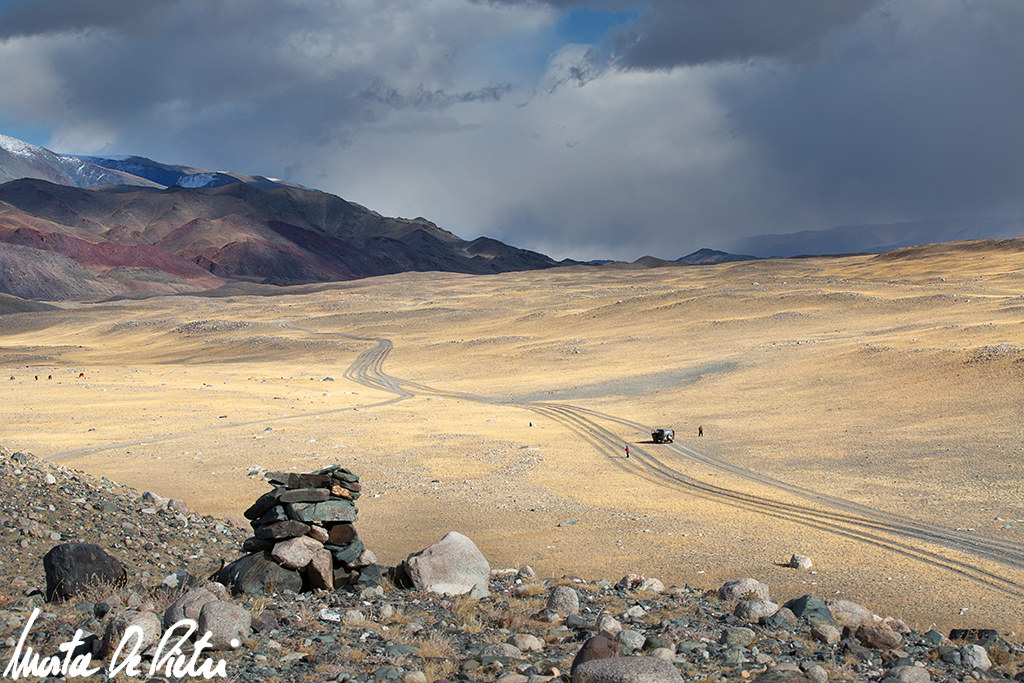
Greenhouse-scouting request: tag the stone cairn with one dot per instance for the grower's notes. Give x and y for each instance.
(304, 536)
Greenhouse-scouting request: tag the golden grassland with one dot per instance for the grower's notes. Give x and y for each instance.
(894, 381)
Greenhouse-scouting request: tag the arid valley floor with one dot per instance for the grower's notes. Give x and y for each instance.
(864, 411)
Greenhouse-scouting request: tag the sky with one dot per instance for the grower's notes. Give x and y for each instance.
(578, 128)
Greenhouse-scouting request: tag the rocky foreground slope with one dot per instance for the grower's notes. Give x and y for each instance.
(527, 629)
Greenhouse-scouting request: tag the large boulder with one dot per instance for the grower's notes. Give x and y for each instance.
(597, 647)
(257, 573)
(71, 568)
(452, 566)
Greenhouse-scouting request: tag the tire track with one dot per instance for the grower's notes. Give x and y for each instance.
(836, 515)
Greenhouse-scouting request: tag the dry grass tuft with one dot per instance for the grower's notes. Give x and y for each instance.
(435, 645)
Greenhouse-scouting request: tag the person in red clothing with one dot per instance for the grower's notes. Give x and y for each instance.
(627, 451)
(700, 431)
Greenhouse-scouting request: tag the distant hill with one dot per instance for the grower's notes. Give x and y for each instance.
(703, 257)
(59, 242)
(873, 239)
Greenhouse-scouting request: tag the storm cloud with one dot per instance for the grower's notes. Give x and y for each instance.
(679, 124)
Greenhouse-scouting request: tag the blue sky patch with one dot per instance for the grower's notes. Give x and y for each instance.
(590, 26)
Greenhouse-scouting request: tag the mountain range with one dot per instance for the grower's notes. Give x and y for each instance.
(85, 227)
(76, 227)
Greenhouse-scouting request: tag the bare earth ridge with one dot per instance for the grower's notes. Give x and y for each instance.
(863, 411)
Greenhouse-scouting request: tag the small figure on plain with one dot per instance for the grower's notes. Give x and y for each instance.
(627, 451)
(700, 430)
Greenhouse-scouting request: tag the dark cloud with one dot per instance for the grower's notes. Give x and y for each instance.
(690, 32)
(911, 115)
(23, 18)
(671, 33)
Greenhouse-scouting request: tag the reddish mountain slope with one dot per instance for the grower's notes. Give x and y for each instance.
(181, 239)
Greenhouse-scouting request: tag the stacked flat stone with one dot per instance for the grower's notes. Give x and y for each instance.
(306, 525)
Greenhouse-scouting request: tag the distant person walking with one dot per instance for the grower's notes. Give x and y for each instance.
(700, 430)
(627, 451)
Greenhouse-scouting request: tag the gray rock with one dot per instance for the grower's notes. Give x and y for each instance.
(651, 586)
(452, 566)
(754, 610)
(305, 496)
(910, 674)
(227, 623)
(320, 570)
(737, 636)
(264, 503)
(816, 673)
(634, 614)
(564, 600)
(666, 653)
(626, 670)
(332, 510)
(878, 636)
(274, 514)
(71, 568)
(811, 609)
(826, 633)
(848, 613)
(296, 553)
(349, 554)
(526, 573)
(281, 530)
(526, 642)
(800, 562)
(634, 640)
(507, 677)
(149, 631)
(188, 606)
(505, 650)
(744, 589)
(608, 625)
(155, 500)
(782, 676)
(257, 574)
(365, 559)
(975, 657)
(784, 619)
